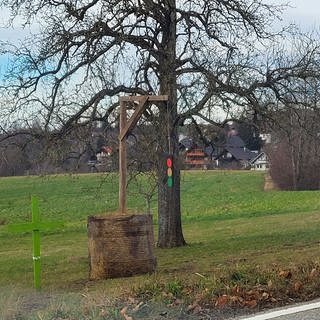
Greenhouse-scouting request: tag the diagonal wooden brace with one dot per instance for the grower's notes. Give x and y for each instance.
(130, 124)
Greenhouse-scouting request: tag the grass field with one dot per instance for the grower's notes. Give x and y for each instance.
(237, 234)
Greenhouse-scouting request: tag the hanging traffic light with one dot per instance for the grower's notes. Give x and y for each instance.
(169, 172)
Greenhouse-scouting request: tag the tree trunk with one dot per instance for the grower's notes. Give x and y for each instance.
(170, 228)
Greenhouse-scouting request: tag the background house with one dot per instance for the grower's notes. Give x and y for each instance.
(234, 154)
(260, 162)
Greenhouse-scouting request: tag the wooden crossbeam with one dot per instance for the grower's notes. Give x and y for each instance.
(139, 98)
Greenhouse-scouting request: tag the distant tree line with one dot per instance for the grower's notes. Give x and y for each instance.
(295, 150)
(293, 153)
(31, 152)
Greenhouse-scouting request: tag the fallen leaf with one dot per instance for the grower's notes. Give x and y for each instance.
(200, 275)
(236, 289)
(222, 301)
(175, 302)
(250, 293)
(103, 312)
(191, 306)
(251, 303)
(236, 300)
(194, 308)
(286, 274)
(313, 273)
(132, 300)
(178, 302)
(123, 312)
(298, 286)
(137, 307)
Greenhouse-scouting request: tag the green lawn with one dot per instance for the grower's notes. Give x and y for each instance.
(205, 196)
(229, 223)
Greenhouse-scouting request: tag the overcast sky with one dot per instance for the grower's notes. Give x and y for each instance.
(305, 13)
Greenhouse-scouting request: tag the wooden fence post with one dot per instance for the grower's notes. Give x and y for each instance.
(122, 159)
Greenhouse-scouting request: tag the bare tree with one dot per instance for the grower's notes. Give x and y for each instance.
(294, 152)
(207, 56)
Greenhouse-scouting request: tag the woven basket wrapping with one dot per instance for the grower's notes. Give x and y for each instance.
(120, 246)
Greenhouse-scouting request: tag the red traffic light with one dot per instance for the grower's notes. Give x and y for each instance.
(169, 163)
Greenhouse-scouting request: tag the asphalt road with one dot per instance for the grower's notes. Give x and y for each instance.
(308, 311)
(306, 315)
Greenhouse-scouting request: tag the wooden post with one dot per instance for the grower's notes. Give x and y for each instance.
(126, 125)
(122, 159)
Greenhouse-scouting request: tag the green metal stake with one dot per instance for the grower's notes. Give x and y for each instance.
(36, 242)
(35, 226)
